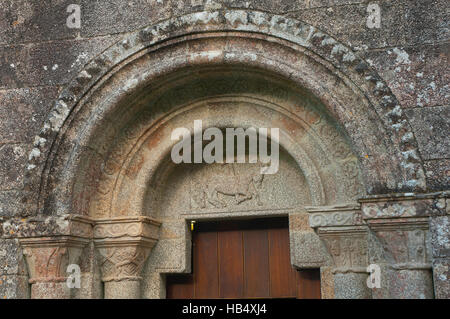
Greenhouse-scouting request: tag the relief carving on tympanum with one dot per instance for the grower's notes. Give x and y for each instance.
(227, 191)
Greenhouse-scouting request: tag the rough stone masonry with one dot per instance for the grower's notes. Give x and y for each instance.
(358, 88)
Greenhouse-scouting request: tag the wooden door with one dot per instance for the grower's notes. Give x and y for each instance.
(243, 259)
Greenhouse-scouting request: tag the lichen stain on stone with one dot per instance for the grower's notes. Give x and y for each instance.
(35, 153)
(402, 56)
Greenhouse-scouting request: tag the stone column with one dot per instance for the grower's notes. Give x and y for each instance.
(345, 237)
(48, 257)
(400, 224)
(123, 245)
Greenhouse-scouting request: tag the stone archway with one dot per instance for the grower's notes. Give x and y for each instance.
(108, 135)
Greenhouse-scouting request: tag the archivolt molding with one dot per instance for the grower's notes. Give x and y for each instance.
(308, 42)
(138, 165)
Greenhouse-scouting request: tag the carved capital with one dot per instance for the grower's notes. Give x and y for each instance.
(47, 258)
(401, 224)
(342, 230)
(405, 241)
(124, 245)
(347, 246)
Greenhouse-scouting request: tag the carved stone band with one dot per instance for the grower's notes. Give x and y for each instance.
(334, 216)
(48, 226)
(139, 226)
(405, 205)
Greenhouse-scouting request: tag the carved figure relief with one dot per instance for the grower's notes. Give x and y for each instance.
(238, 187)
(347, 252)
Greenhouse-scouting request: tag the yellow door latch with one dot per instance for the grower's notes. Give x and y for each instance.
(192, 224)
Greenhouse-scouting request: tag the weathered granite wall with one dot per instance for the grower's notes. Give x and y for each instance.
(40, 55)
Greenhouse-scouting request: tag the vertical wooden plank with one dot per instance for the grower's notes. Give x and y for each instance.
(256, 264)
(206, 280)
(231, 270)
(179, 287)
(283, 277)
(309, 284)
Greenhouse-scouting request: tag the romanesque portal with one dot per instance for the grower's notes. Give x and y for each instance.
(105, 195)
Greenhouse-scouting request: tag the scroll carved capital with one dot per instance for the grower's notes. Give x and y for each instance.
(344, 233)
(124, 245)
(346, 215)
(123, 263)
